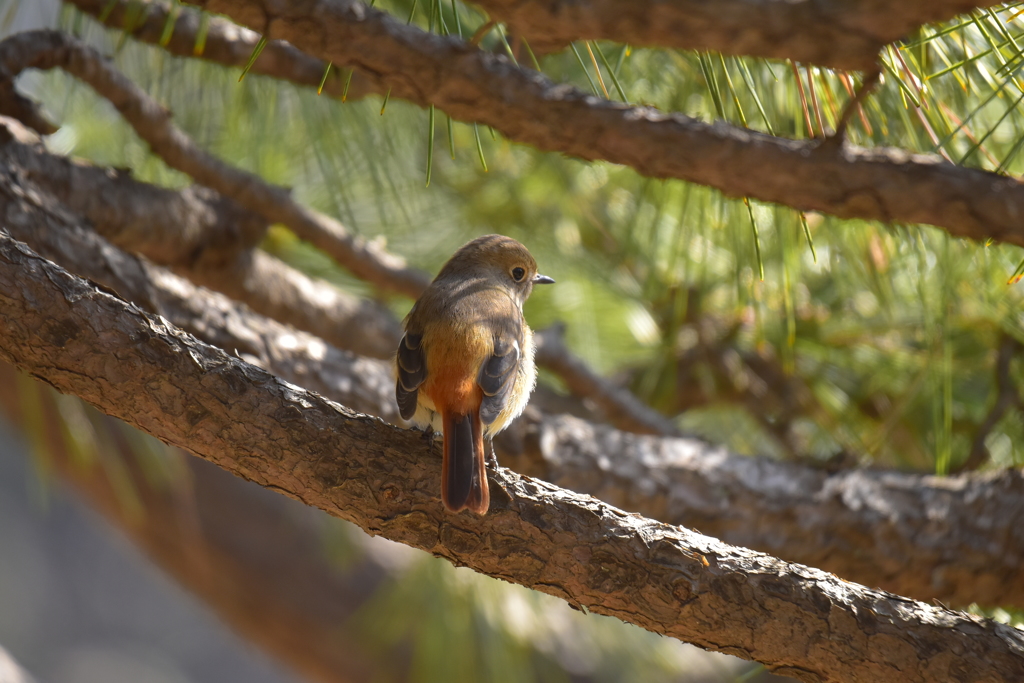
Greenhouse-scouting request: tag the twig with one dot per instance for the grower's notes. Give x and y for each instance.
(620, 407)
(868, 84)
(1007, 395)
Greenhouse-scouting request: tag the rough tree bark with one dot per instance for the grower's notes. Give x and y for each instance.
(796, 620)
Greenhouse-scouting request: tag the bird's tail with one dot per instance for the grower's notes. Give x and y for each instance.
(464, 474)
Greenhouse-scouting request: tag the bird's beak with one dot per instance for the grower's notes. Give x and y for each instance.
(539, 279)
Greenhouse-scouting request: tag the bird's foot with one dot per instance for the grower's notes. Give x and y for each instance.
(491, 459)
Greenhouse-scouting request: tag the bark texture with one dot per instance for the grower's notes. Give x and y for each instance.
(841, 34)
(956, 539)
(798, 621)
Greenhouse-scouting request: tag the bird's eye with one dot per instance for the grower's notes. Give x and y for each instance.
(518, 273)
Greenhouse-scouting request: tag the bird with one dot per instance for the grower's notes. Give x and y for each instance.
(465, 364)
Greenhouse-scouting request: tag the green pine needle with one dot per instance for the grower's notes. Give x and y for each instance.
(458, 21)
(479, 147)
(709, 78)
(579, 58)
(323, 79)
(430, 143)
(451, 137)
(533, 57)
(107, 9)
(611, 72)
(757, 238)
(348, 82)
(254, 56)
(807, 235)
(504, 41)
(204, 31)
(168, 30)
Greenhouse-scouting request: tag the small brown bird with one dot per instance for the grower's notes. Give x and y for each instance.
(465, 365)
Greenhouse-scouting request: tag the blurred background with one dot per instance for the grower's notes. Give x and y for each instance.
(776, 333)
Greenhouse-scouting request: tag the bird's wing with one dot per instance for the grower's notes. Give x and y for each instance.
(412, 370)
(497, 377)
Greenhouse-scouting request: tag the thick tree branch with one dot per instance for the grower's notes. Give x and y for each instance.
(956, 539)
(796, 620)
(472, 85)
(841, 34)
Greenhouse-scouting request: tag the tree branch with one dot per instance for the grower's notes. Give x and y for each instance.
(840, 34)
(472, 85)
(956, 539)
(667, 579)
(617, 405)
